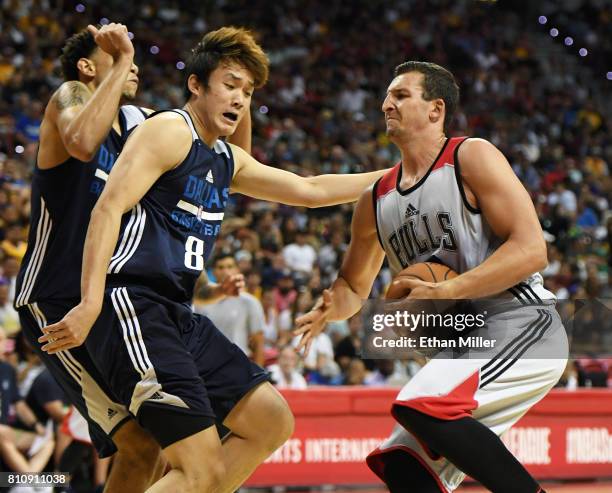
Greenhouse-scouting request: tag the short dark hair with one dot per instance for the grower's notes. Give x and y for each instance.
(438, 83)
(79, 45)
(222, 256)
(228, 44)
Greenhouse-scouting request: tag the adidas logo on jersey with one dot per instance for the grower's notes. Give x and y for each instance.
(111, 413)
(209, 176)
(411, 210)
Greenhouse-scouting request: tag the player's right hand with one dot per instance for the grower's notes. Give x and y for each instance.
(71, 331)
(113, 39)
(311, 324)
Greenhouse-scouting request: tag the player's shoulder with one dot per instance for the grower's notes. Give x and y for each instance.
(385, 183)
(167, 125)
(70, 93)
(473, 146)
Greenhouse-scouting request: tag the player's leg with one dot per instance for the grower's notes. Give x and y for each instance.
(83, 385)
(242, 399)
(405, 474)
(252, 439)
(136, 343)
(134, 464)
(449, 414)
(196, 465)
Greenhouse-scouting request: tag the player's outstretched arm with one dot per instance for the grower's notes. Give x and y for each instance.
(263, 182)
(83, 119)
(508, 209)
(156, 146)
(361, 264)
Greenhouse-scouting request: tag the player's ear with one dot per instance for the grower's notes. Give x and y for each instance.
(437, 111)
(87, 67)
(193, 83)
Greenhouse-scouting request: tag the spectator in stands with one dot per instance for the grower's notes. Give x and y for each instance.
(241, 317)
(285, 374)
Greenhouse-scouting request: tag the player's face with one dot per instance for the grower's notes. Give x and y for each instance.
(227, 98)
(406, 112)
(224, 268)
(103, 63)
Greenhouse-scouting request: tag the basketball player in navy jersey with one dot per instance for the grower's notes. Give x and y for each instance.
(82, 132)
(455, 200)
(171, 185)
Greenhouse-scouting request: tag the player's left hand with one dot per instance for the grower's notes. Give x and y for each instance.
(69, 332)
(422, 290)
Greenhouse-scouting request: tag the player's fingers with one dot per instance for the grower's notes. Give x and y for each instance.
(307, 350)
(304, 341)
(306, 318)
(93, 30)
(54, 327)
(58, 346)
(327, 297)
(302, 329)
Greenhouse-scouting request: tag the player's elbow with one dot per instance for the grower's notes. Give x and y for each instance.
(311, 193)
(537, 256)
(80, 148)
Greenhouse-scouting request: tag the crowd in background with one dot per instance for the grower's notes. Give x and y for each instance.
(331, 62)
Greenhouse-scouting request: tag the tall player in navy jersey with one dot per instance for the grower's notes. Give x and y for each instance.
(164, 201)
(83, 130)
(456, 200)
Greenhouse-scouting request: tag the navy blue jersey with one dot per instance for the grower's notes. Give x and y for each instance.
(167, 237)
(62, 200)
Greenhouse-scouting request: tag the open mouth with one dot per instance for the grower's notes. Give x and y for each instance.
(231, 116)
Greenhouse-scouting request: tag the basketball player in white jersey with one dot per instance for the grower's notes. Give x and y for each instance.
(455, 200)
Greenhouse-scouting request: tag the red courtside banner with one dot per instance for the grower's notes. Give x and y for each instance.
(566, 435)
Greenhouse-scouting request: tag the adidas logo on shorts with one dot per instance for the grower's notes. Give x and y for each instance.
(411, 210)
(111, 413)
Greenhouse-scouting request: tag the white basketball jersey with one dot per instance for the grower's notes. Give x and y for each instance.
(433, 221)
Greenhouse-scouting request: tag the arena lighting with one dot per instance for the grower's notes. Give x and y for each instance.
(130, 35)
(104, 21)
(154, 50)
(19, 149)
(583, 52)
(554, 32)
(568, 41)
(542, 19)
(80, 8)
(180, 65)
(609, 76)
(263, 109)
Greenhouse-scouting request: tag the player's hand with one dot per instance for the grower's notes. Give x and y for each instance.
(232, 285)
(40, 429)
(311, 324)
(423, 290)
(113, 39)
(71, 331)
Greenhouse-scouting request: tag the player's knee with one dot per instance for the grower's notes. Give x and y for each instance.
(280, 415)
(206, 476)
(136, 448)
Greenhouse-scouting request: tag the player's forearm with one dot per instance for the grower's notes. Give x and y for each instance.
(346, 302)
(243, 134)
(93, 123)
(100, 242)
(326, 190)
(510, 264)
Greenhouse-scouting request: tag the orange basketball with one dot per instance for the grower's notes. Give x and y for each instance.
(425, 271)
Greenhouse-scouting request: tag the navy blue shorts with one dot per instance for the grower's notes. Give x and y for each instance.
(76, 373)
(172, 369)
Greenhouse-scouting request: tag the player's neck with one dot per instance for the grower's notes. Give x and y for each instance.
(419, 153)
(203, 132)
